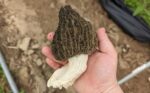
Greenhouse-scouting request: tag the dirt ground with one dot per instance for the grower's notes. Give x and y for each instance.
(24, 25)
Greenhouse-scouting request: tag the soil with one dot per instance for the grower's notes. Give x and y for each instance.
(24, 25)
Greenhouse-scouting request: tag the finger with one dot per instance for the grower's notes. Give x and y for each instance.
(105, 44)
(50, 36)
(48, 53)
(52, 64)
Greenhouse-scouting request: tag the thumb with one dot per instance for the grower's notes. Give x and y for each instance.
(105, 44)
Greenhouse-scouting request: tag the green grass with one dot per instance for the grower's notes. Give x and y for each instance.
(3, 83)
(1, 71)
(1, 80)
(22, 91)
(141, 8)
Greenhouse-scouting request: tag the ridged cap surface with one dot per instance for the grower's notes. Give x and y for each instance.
(73, 36)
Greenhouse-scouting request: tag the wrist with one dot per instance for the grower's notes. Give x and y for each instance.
(113, 89)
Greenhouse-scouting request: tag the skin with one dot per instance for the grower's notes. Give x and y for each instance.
(100, 76)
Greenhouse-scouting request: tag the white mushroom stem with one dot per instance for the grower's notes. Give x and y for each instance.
(68, 74)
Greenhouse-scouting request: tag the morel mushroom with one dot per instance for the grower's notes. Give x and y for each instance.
(74, 39)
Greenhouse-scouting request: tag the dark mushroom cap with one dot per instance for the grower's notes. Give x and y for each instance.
(73, 36)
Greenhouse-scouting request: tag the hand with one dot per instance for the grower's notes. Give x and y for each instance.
(100, 76)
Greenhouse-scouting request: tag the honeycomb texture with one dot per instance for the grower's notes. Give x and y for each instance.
(73, 36)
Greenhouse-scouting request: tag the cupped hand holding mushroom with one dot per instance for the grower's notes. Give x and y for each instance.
(100, 75)
(74, 39)
(72, 42)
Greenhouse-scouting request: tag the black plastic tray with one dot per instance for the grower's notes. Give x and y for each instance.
(122, 15)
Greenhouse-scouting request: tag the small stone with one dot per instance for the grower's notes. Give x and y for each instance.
(52, 5)
(62, 2)
(149, 79)
(24, 43)
(124, 50)
(30, 81)
(35, 56)
(36, 46)
(118, 49)
(24, 75)
(111, 26)
(8, 39)
(128, 46)
(30, 52)
(123, 64)
(31, 72)
(39, 62)
(115, 29)
(24, 71)
(40, 84)
(24, 59)
(114, 37)
(44, 66)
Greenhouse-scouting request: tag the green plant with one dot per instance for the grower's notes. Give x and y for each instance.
(22, 91)
(3, 83)
(141, 8)
(1, 80)
(1, 71)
